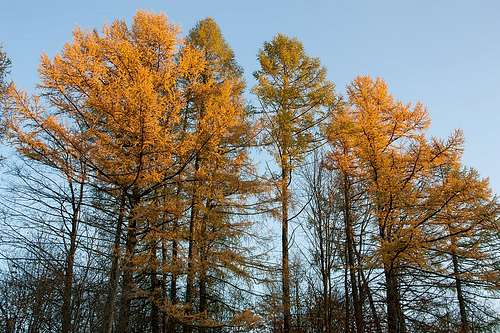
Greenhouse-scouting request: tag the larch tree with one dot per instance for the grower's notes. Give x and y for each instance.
(114, 99)
(397, 163)
(294, 95)
(220, 170)
(154, 120)
(462, 237)
(134, 191)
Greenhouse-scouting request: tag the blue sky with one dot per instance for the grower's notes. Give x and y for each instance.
(444, 53)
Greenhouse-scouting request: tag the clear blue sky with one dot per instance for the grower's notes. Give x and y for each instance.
(443, 53)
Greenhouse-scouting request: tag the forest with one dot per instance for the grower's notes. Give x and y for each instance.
(146, 187)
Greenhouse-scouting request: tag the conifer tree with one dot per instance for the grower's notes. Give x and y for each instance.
(133, 184)
(220, 169)
(114, 100)
(294, 94)
(462, 236)
(384, 140)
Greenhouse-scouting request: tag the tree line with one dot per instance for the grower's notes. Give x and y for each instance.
(141, 189)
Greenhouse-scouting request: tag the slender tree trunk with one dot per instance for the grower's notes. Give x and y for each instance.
(285, 274)
(401, 320)
(155, 312)
(203, 296)
(127, 280)
(192, 246)
(164, 292)
(368, 292)
(323, 240)
(203, 269)
(357, 305)
(395, 324)
(329, 309)
(464, 324)
(68, 277)
(109, 310)
(326, 301)
(173, 284)
(298, 308)
(347, 320)
(171, 326)
(68, 281)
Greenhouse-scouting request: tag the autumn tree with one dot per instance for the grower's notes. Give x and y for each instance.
(385, 140)
(65, 199)
(132, 196)
(160, 126)
(220, 170)
(462, 237)
(114, 101)
(294, 94)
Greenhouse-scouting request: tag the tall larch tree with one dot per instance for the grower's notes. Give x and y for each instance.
(219, 171)
(115, 98)
(294, 95)
(388, 146)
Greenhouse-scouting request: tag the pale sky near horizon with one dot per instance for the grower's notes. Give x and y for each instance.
(445, 54)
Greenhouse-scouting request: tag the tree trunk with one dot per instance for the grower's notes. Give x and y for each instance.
(127, 280)
(192, 245)
(68, 277)
(395, 322)
(357, 305)
(347, 320)
(464, 324)
(401, 317)
(285, 274)
(373, 310)
(163, 284)
(68, 282)
(203, 296)
(171, 325)
(203, 269)
(155, 312)
(109, 310)
(173, 284)
(298, 312)
(326, 301)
